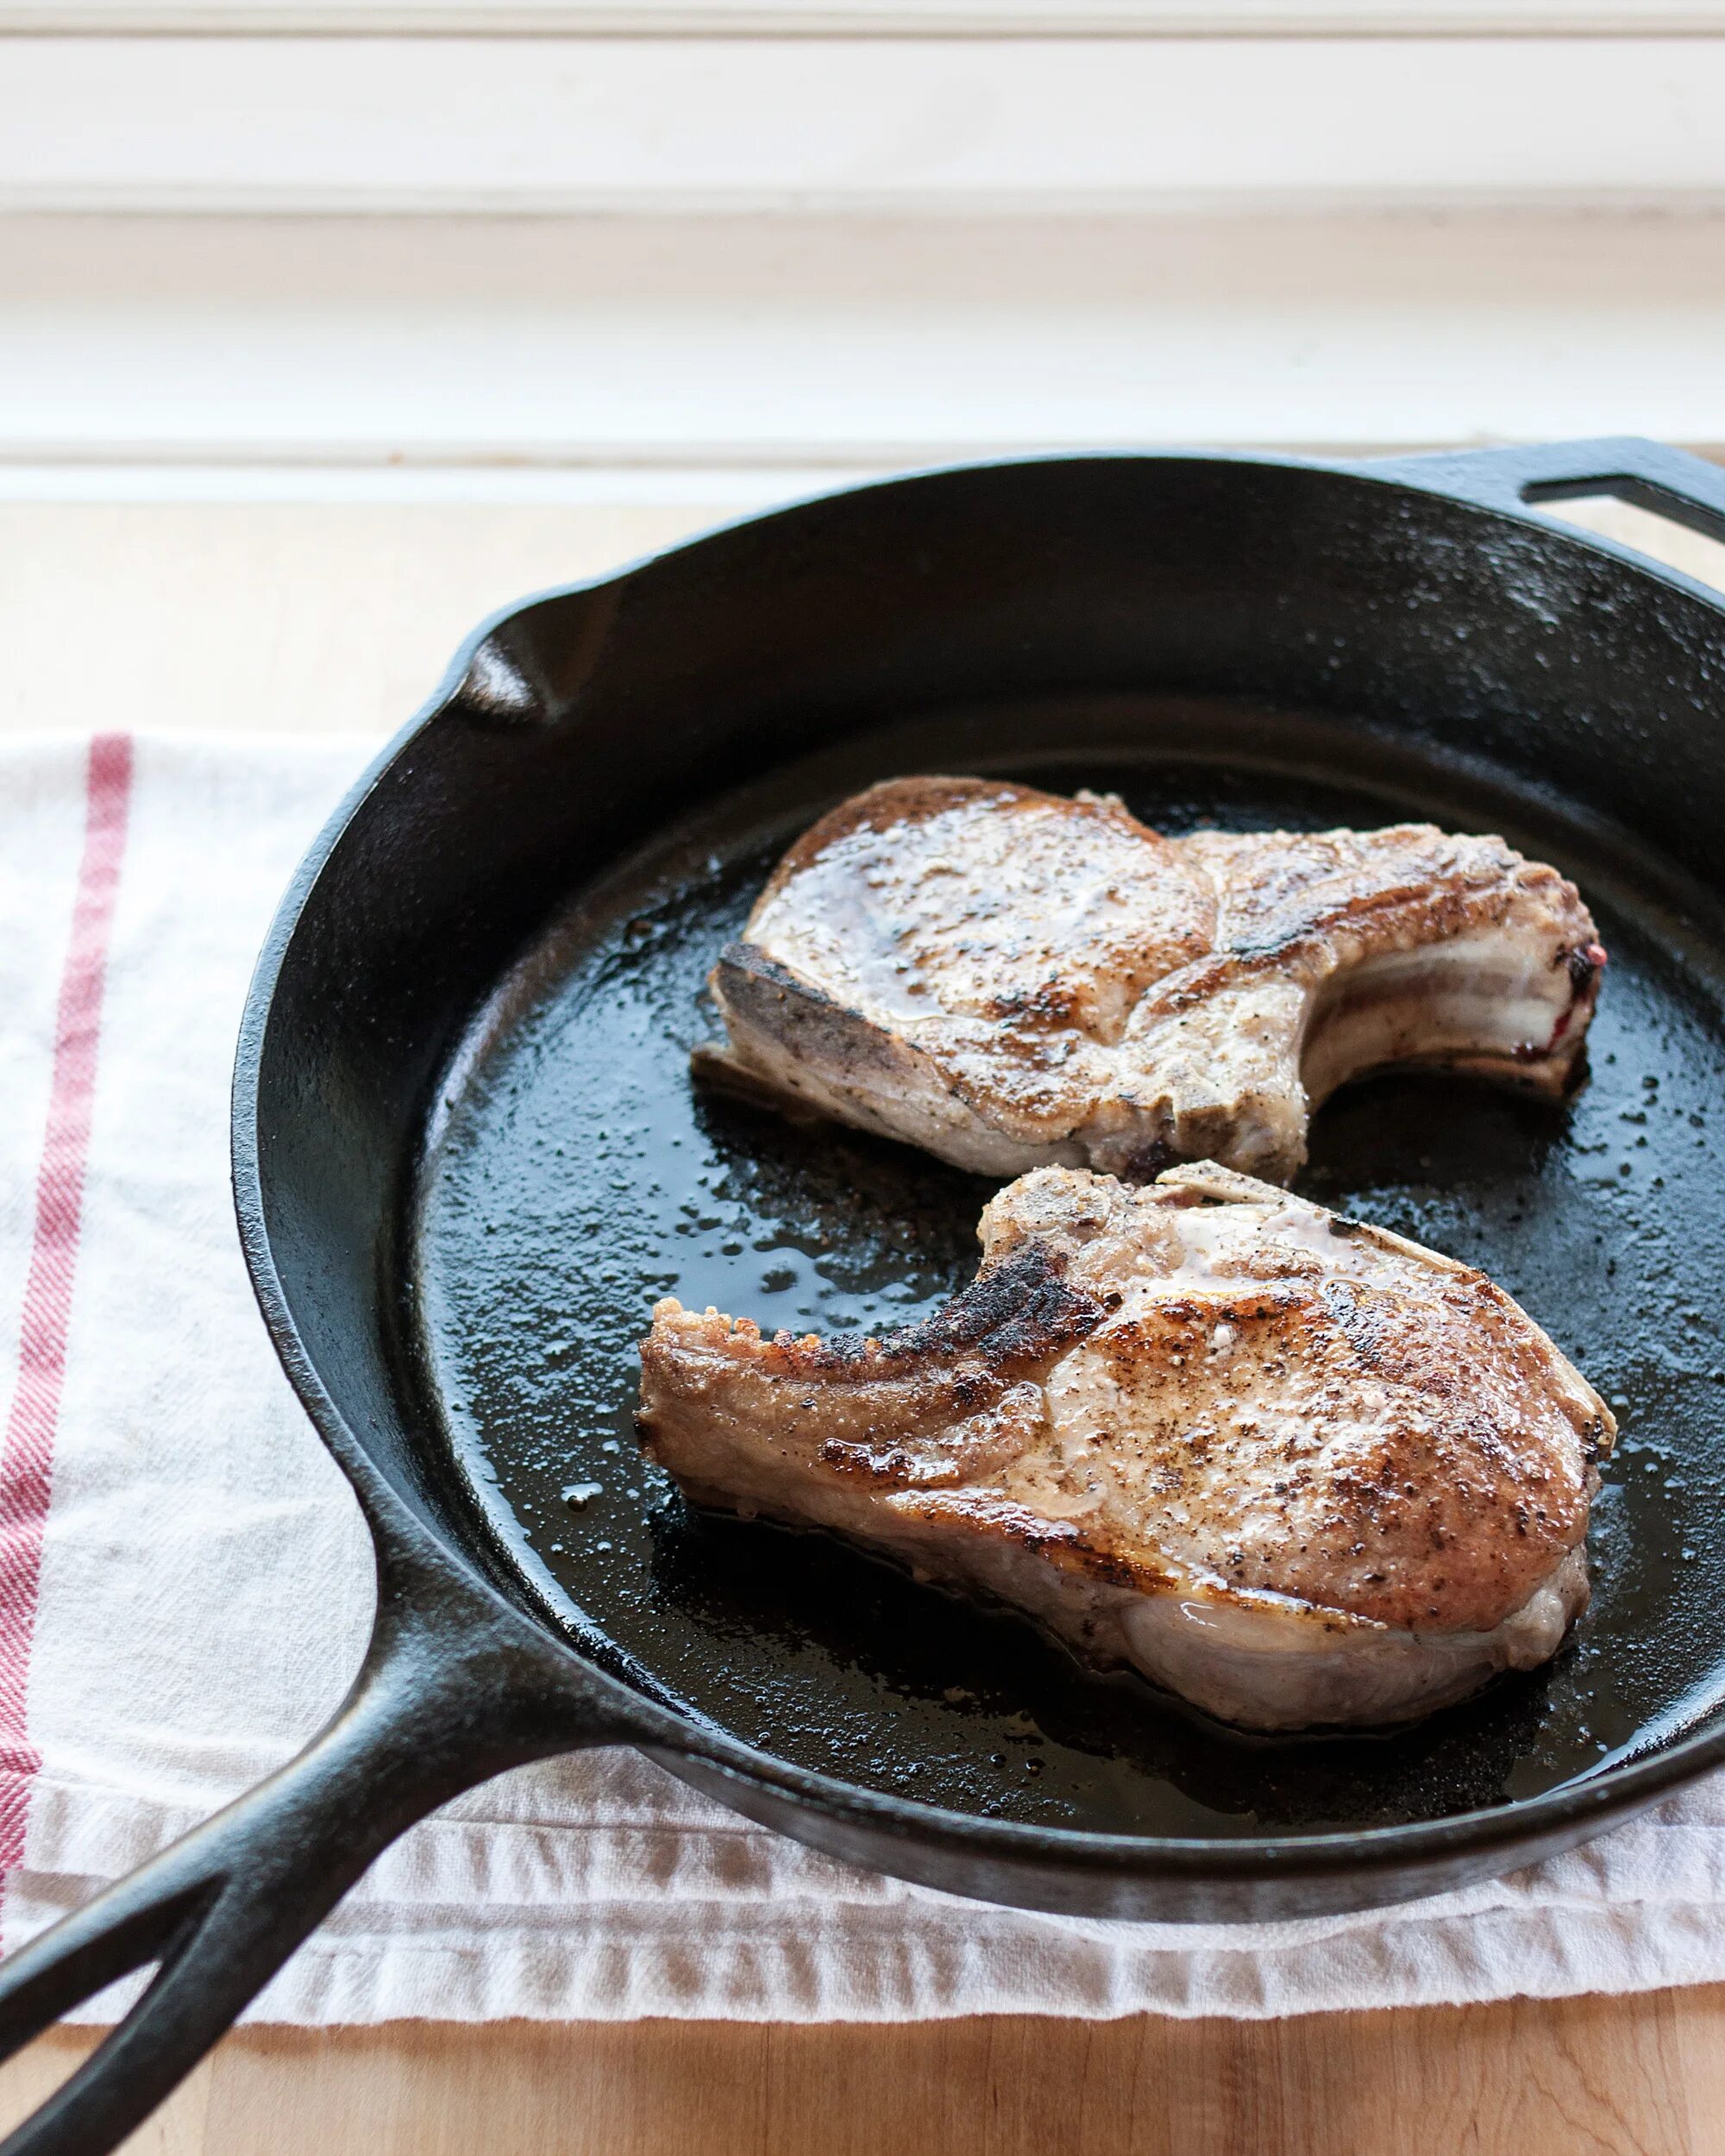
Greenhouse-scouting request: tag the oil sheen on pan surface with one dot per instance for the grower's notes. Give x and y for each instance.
(575, 1175)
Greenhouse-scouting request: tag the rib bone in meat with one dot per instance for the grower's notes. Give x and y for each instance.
(1011, 979)
(1292, 1467)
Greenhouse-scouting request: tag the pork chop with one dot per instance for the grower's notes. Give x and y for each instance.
(1290, 1466)
(1010, 979)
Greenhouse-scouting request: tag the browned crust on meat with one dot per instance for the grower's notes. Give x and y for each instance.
(1013, 1318)
(1313, 1410)
(1009, 978)
(1438, 1518)
(898, 801)
(1402, 888)
(866, 1398)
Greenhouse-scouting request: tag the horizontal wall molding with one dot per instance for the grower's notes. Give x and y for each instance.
(539, 357)
(677, 125)
(867, 18)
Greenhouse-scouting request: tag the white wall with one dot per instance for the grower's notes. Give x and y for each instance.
(544, 265)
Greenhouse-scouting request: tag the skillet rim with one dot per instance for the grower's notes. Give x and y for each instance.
(1555, 1817)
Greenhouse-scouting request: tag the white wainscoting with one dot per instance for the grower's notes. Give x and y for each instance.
(631, 263)
(896, 18)
(523, 358)
(676, 125)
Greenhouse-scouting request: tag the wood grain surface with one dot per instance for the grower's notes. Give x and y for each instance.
(310, 618)
(1635, 2077)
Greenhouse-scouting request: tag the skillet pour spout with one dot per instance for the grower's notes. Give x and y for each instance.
(1422, 631)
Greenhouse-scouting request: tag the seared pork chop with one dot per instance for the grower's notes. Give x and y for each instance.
(1011, 979)
(1292, 1467)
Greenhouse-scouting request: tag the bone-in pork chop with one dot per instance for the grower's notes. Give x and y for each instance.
(1011, 979)
(1290, 1466)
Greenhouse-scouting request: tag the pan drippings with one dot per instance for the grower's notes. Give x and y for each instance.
(579, 1175)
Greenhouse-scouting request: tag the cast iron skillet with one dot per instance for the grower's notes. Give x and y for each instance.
(467, 1158)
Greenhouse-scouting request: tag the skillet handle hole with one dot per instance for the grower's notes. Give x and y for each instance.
(1681, 535)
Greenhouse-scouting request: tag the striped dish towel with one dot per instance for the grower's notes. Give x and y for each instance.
(185, 1583)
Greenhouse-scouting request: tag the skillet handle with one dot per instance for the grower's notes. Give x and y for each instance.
(1690, 490)
(454, 1689)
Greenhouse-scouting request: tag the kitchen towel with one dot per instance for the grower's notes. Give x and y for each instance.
(185, 1585)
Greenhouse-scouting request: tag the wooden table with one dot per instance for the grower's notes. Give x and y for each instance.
(316, 617)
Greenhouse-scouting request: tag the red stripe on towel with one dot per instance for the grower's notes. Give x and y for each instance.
(27, 1451)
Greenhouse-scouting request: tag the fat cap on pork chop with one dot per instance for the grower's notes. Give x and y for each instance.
(1291, 1466)
(1010, 979)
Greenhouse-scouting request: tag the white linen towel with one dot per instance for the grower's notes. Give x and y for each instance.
(185, 1582)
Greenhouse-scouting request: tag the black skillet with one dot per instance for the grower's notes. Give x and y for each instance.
(466, 1158)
